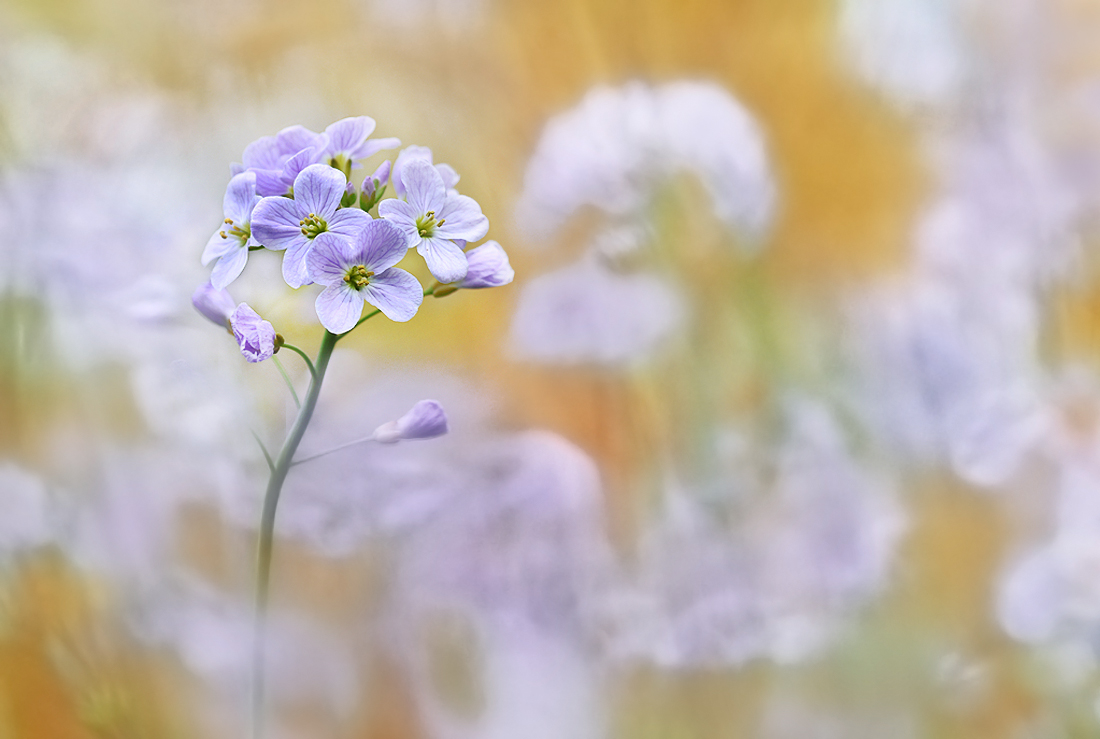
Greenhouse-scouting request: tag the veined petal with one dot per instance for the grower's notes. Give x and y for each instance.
(216, 305)
(380, 246)
(330, 258)
(263, 153)
(402, 215)
(424, 188)
(394, 292)
(408, 154)
(216, 247)
(488, 267)
(293, 139)
(276, 223)
(339, 307)
(240, 197)
(463, 219)
(295, 271)
(298, 162)
(445, 260)
(348, 222)
(230, 266)
(346, 135)
(271, 182)
(318, 189)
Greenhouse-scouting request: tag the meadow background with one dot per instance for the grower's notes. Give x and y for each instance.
(788, 427)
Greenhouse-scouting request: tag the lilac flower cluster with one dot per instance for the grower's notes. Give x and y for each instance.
(294, 193)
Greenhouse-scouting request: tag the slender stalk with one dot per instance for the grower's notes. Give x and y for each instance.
(304, 356)
(267, 525)
(327, 452)
(267, 454)
(289, 384)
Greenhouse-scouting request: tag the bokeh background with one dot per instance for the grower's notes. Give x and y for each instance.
(789, 426)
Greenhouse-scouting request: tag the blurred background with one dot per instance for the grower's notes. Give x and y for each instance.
(789, 426)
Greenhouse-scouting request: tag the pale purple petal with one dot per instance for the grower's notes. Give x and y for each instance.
(318, 189)
(276, 223)
(463, 219)
(255, 336)
(447, 172)
(348, 222)
(395, 292)
(426, 420)
(408, 154)
(347, 135)
(402, 215)
(293, 139)
(263, 153)
(339, 307)
(299, 162)
(240, 197)
(216, 305)
(488, 267)
(217, 246)
(295, 270)
(371, 147)
(271, 182)
(445, 260)
(380, 246)
(329, 259)
(230, 266)
(423, 187)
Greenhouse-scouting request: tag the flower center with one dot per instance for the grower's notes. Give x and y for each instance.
(358, 277)
(312, 225)
(240, 232)
(426, 224)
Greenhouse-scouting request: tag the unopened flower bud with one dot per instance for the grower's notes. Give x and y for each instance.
(348, 198)
(488, 267)
(255, 336)
(425, 420)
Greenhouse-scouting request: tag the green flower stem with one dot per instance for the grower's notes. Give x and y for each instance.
(267, 522)
(286, 379)
(304, 356)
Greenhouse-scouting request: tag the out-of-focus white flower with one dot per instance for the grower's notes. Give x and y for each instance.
(912, 50)
(618, 145)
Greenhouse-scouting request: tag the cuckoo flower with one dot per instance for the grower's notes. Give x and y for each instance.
(426, 420)
(277, 160)
(362, 270)
(281, 223)
(229, 244)
(431, 217)
(410, 153)
(488, 267)
(213, 303)
(349, 140)
(256, 337)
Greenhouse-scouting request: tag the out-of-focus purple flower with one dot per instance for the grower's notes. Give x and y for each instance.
(26, 521)
(431, 218)
(255, 335)
(215, 304)
(229, 244)
(362, 270)
(277, 160)
(348, 140)
(488, 267)
(281, 223)
(421, 153)
(426, 420)
(587, 313)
